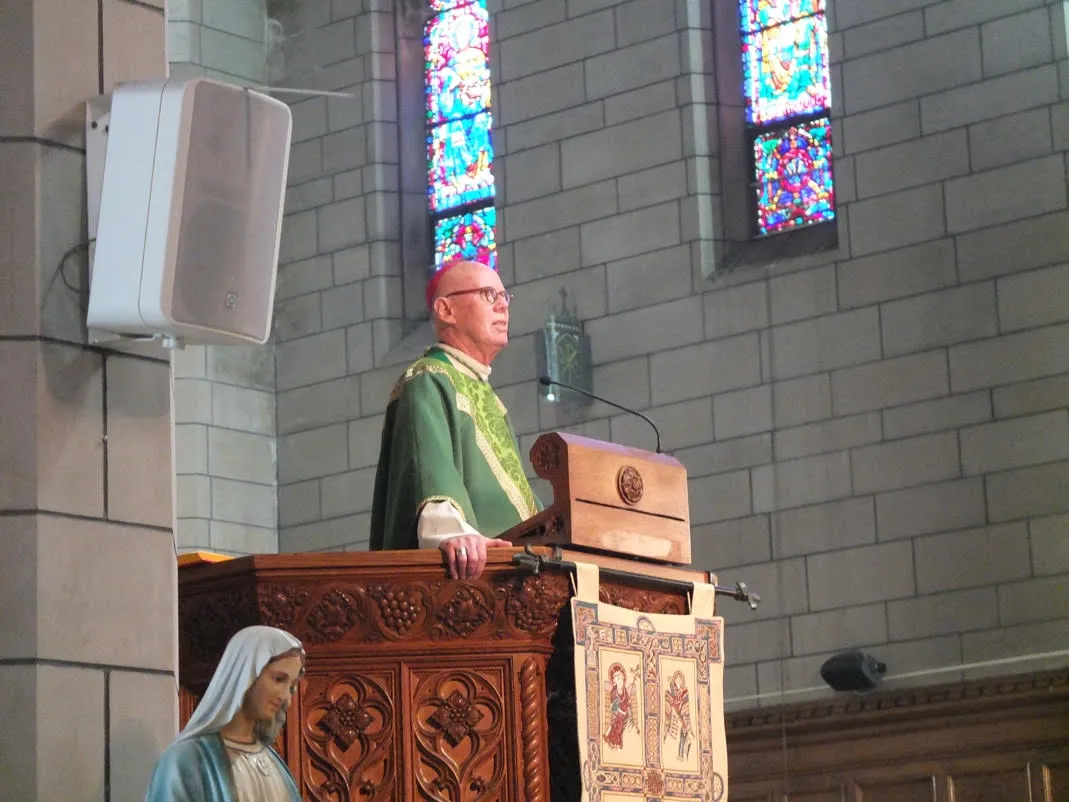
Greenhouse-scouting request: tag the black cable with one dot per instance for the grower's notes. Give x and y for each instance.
(42, 141)
(61, 268)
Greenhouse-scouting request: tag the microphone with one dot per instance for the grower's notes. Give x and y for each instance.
(546, 381)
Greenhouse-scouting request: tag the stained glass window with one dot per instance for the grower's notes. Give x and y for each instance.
(460, 152)
(457, 69)
(786, 70)
(758, 14)
(787, 95)
(444, 5)
(469, 236)
(793, 176)
(459, 155)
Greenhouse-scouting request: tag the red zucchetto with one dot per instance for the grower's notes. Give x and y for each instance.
(436, 279)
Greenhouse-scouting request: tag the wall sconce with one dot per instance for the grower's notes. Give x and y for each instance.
(563, 353)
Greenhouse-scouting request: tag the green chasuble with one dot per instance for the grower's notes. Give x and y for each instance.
(447, 437)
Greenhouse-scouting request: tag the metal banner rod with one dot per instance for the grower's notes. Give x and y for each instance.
(536, 563)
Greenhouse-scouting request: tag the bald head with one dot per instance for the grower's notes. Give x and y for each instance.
(463, 317)
(461, 276)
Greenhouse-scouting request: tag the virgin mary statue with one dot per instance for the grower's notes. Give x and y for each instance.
(224, 753)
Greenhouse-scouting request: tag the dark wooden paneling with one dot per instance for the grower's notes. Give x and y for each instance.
(997, 740)
(919, 790)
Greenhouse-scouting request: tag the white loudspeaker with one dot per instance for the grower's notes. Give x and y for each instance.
(190, 216)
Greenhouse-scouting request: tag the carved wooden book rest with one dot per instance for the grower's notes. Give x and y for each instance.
(609, 499)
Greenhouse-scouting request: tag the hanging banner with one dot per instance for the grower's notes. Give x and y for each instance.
(649, 699)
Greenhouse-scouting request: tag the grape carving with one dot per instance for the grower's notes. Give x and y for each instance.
(400, 609)
(536, 603)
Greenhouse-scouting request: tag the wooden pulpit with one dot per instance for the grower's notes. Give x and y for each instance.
(419, 687)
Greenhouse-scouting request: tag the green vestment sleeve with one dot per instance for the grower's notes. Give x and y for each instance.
(417, 463)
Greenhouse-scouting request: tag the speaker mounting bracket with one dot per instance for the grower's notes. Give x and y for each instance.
(97, 124)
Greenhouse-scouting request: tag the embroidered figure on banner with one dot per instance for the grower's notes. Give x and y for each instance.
(619, 697)
(676, 721)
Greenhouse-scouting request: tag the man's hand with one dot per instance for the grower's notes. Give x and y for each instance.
(465, 555)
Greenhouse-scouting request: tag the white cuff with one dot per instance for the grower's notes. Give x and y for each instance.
(439, 521)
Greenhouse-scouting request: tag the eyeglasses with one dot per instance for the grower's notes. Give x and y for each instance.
(489, 294)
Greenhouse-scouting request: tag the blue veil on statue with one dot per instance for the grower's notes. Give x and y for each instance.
(195, 767)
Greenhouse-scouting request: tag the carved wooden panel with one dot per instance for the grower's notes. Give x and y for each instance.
(461, 749)
(517, 607)
(207, 621)
(349, 736)
(534, 735)
(649, 601)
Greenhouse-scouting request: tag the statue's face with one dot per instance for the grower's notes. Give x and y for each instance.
(269, 697)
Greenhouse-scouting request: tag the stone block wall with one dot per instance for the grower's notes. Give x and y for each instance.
(841, 411)
(875, 424)
(340, 296)
(225, 441)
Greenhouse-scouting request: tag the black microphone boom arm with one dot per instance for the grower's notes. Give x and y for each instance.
(546, 381)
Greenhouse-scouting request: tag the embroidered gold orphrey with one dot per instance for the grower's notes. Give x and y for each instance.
(650, 705)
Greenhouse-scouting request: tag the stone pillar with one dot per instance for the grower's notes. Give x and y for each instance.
(88, 583)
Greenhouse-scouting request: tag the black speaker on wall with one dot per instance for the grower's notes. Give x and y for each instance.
(853, 671)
